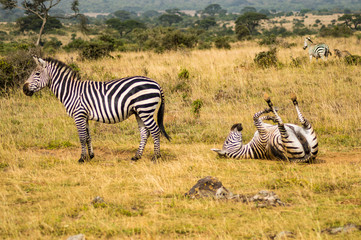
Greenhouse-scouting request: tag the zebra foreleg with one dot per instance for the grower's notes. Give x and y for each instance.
(144, 135)
(277, 118)
(81, 125)
(88, 142)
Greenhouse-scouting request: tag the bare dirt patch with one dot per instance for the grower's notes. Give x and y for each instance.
(342, 157)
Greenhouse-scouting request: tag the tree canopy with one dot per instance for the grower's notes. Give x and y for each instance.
(251, 20)
(351, 20)
(41, 9)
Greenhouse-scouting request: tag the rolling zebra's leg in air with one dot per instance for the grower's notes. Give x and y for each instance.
(271, 118)
(307, 127)
(258, 120)
(277, 118)
(281, 127)
(144, 135)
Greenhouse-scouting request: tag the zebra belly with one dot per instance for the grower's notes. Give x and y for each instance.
(297, 145)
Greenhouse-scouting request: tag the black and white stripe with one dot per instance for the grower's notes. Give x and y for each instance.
(316, 50)
(287, 142)
(107, 102)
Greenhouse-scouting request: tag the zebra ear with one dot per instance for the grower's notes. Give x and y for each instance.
(39, 61)
(42, 62)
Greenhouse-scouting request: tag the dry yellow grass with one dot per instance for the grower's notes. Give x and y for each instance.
(46, 194)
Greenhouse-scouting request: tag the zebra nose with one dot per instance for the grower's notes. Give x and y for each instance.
(26, 90)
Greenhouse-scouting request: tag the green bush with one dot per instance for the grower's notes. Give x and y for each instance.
(353, 60)
(54, 43)
(183, 74)
(174, 40)
(14, 69)
(302, 31)
(11, 47)
(204, 45)
(196, 107)
(268, 40)
(266, 59)
(7, 76)
(96, 50)
(242, 32)
(3, 35)
(222, 42)
(76, 44)
(335, 31)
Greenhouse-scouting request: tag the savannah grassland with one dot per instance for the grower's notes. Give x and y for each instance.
(46, 194)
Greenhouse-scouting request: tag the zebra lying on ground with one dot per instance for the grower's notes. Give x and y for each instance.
(283, 141)
(316, 50)
(342, 54)
(107, 102)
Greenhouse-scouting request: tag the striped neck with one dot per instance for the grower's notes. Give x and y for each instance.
(61, 77)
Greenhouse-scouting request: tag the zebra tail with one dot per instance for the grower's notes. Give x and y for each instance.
(161, 117)
(329, 52)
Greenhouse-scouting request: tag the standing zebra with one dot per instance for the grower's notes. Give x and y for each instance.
(107, 102)
(283, 141)
(316, 50)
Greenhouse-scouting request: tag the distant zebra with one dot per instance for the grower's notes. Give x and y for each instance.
(283, 141)
(342, 54)
(108, 102)
(316, 50)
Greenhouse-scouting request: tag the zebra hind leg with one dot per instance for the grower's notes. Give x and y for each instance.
(144, 135)
(83, 137)
(305, 123)
(154, 130)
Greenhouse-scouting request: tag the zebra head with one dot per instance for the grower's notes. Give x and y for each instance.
(306, 42)
(38, 79)
(233, 141)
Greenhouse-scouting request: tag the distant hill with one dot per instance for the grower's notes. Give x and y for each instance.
(108, 6)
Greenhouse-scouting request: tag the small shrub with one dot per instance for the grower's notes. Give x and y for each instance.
(14, 68)
(204, 45)
(266, 59)
(76, 44)
(269, 40)
(96, 50)
(3, 35)
(52, 45)
(297, 62)
(353, 60)
(222, 42)
(7, 75)
(183, 74)
(196, 107)
(174, 40)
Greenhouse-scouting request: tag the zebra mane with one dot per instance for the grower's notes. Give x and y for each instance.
(60, 64)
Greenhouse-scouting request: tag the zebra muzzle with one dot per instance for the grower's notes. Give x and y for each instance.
(27, 91)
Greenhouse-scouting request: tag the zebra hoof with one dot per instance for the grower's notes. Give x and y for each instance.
(91, 155)
(81, 160)
(135, 158)
(294, 98)
(266, 97)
